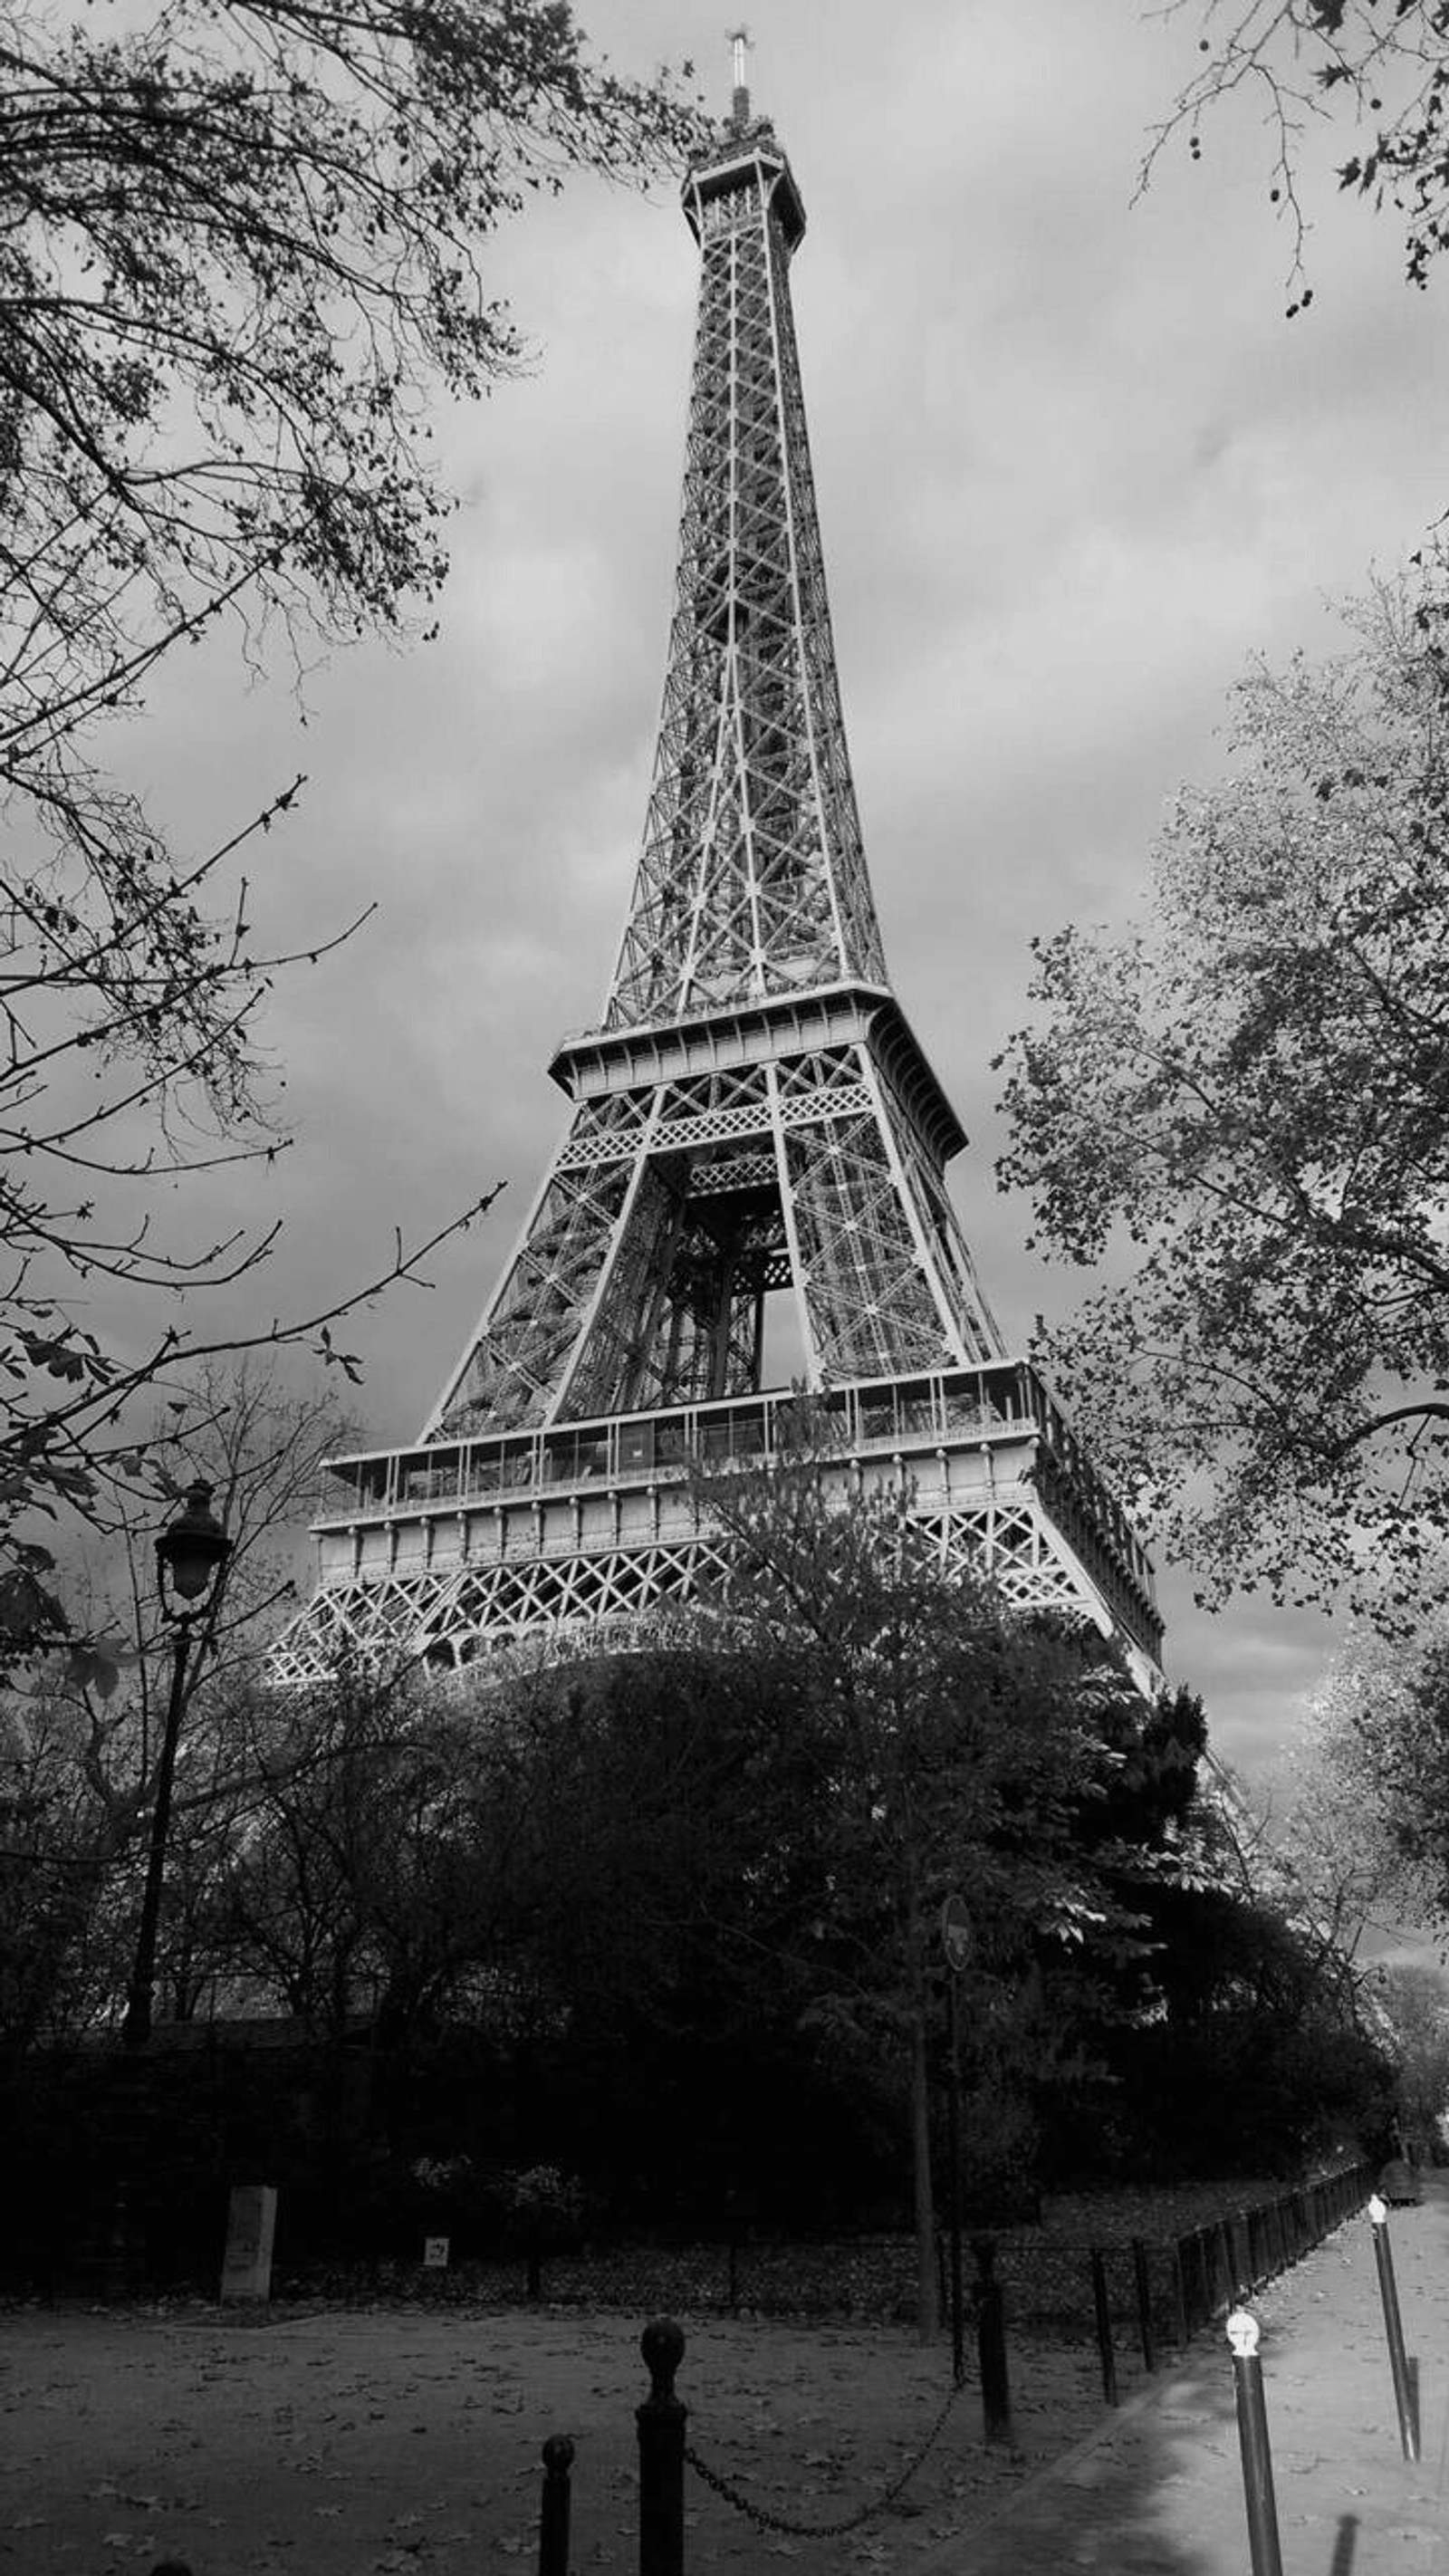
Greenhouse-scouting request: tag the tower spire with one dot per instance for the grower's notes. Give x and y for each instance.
(751, 1193)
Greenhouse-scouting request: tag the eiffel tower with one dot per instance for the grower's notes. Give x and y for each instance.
(751, 1189)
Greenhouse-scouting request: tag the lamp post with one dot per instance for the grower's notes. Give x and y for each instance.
(191, 1552)
(956, 1941)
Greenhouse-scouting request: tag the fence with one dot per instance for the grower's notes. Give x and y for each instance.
(1175, 2284)
(1165, 2292)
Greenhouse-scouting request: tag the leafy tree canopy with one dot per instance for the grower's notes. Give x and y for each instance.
(1241, 1110)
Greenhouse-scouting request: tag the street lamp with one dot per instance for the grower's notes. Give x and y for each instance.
(190, 1555)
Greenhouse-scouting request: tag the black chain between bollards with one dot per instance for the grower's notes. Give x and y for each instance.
(765, 2520)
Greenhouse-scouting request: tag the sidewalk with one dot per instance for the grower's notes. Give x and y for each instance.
(1158, 2490)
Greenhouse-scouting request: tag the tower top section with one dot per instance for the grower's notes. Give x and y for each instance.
(745, 159)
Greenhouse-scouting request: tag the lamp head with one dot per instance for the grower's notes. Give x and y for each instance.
(194, 1547)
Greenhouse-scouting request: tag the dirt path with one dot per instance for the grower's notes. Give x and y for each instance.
(371, 2444)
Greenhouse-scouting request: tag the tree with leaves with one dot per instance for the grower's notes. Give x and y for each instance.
(1414, 2001)
(1239, 1111)
(1380, 65)
(1379, 1739)
(954, 1746)
(1341, 1831)
(241, 261)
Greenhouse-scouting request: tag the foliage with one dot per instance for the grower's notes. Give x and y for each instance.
(240, 265)
(1243, 1104)
(1380, 1756)
(1382, 63)
(1353, 1781)
(1414, 2001)
(1256, 2054)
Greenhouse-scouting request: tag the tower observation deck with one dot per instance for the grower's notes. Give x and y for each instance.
(755, 1161)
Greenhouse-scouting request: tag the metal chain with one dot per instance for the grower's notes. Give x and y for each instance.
(761, 2515)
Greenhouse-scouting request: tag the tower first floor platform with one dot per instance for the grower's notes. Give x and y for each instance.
(587, 1535)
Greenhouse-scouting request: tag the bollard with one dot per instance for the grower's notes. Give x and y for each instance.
(1142, 2278)
(991, 2343)
(1105, 2353)
(661, 2421)
(553, 2515)
(1263, 2546)
(1404, 2391)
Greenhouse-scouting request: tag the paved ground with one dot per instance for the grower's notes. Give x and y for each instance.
(407, 2443)
(1158, 2489)
(402, 2442)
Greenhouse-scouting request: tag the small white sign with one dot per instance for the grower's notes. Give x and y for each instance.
(435, 2253)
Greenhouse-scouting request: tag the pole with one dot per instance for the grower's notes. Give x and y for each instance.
(136, 2027)
(1102, 2309)
(958, 2298)
(1394, 2329)
(1263, 2545)
(1142, 2278)
(991, 2344)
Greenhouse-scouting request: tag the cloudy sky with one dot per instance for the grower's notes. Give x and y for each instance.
(1074, 468)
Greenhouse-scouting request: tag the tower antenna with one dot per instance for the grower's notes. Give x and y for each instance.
(743, 44)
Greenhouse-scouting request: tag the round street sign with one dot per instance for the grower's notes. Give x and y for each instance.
(956, 1933)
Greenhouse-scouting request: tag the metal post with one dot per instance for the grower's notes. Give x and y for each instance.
(1142, 2276)
(661, 2421)
(1212, 2264)
(1201, 2307)
(553, 2517)
(991, 2343)
(1181, 2330)
(1100, 2303)
(1404, 2392)
(953, 2149)
(1263, 2546)
(136, 2027)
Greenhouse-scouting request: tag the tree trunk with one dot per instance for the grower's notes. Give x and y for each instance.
(928, 2296)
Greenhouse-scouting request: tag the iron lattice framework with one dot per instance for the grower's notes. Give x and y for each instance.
(756, 1158)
